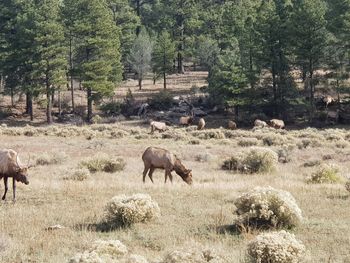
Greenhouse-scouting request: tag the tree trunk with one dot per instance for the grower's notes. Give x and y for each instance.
(274, 87)
(53, 97)
(138, 12)
(164, 78)
(12, 98)
(71, 73)
(181, 47)
(312, 91)
(59, 101)
(27, 102)
(48, 104)
(89, 104)
(140, 83)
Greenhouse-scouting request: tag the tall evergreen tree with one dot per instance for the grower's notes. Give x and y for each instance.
(163, 56)
(310, 40)
(50, 60)
(141, 55)
(97, 49)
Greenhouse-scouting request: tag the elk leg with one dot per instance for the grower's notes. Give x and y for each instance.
(150, 174)
(6, 188)
(14, 189)
(166, 176)
(145, 173)
(171, 177)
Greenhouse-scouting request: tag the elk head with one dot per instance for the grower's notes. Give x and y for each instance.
(21, 172)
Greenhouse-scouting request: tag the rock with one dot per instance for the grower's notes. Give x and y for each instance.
(199, 112)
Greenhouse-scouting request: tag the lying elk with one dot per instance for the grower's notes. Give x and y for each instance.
(10, 167)
(154, 158)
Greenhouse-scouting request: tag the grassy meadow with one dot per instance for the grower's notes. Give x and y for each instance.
(201, 213)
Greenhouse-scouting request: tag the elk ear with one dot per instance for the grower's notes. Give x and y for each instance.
(188, 171)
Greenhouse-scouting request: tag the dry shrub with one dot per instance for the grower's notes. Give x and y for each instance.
(276, 247)
(107, 252)
(209, 134)
(325, 173)
(203, 157)
(103, 163)
(272, 139)
(51, 158)
(257, 160)
(313, 143)
(126, 210)
(312, 163)
(342, 144)
(80, 174)
(193, 253)
(194, 142)
(117, 134)
(284, 155)
(267, 207)
(247, 142)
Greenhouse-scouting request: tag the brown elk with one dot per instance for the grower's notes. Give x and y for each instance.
(158, 158)
(231, 125)
(277, 124)
(158, 126)
(10, 167)
(260, 124)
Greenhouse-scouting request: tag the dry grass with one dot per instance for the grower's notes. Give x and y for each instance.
(202, 213)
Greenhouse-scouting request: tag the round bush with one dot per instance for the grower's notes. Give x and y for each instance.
(276, 247)
(267, 207)
(79, 174)
(193, 254)
(257, 160)
(325, 174)
(103, 163)
(126, 210)
(107, 252)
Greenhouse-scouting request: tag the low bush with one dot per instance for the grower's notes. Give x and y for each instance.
(111, 108)
(257, 160)
(267, 207)
(103, 163)
(51, 158)
(247, 142)
(126, 210)
(325, 174)
(162, 101)
(107, 251)
(276, 247)
(80, 174)
(193, 253)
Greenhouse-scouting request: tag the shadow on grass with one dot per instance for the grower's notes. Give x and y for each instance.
(100, 227)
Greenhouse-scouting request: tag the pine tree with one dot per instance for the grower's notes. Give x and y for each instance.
(141, 55)
(310, 40)
(97, 50)
(50, 60)
(163, 56)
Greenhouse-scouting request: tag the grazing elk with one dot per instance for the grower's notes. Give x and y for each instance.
(231, 125)
(10, 167)
(158, 158)
(277, 124)
(260, 124)
(201, 124)
(158, 126)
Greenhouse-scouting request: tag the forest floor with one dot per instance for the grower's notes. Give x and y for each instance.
(201, 213)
